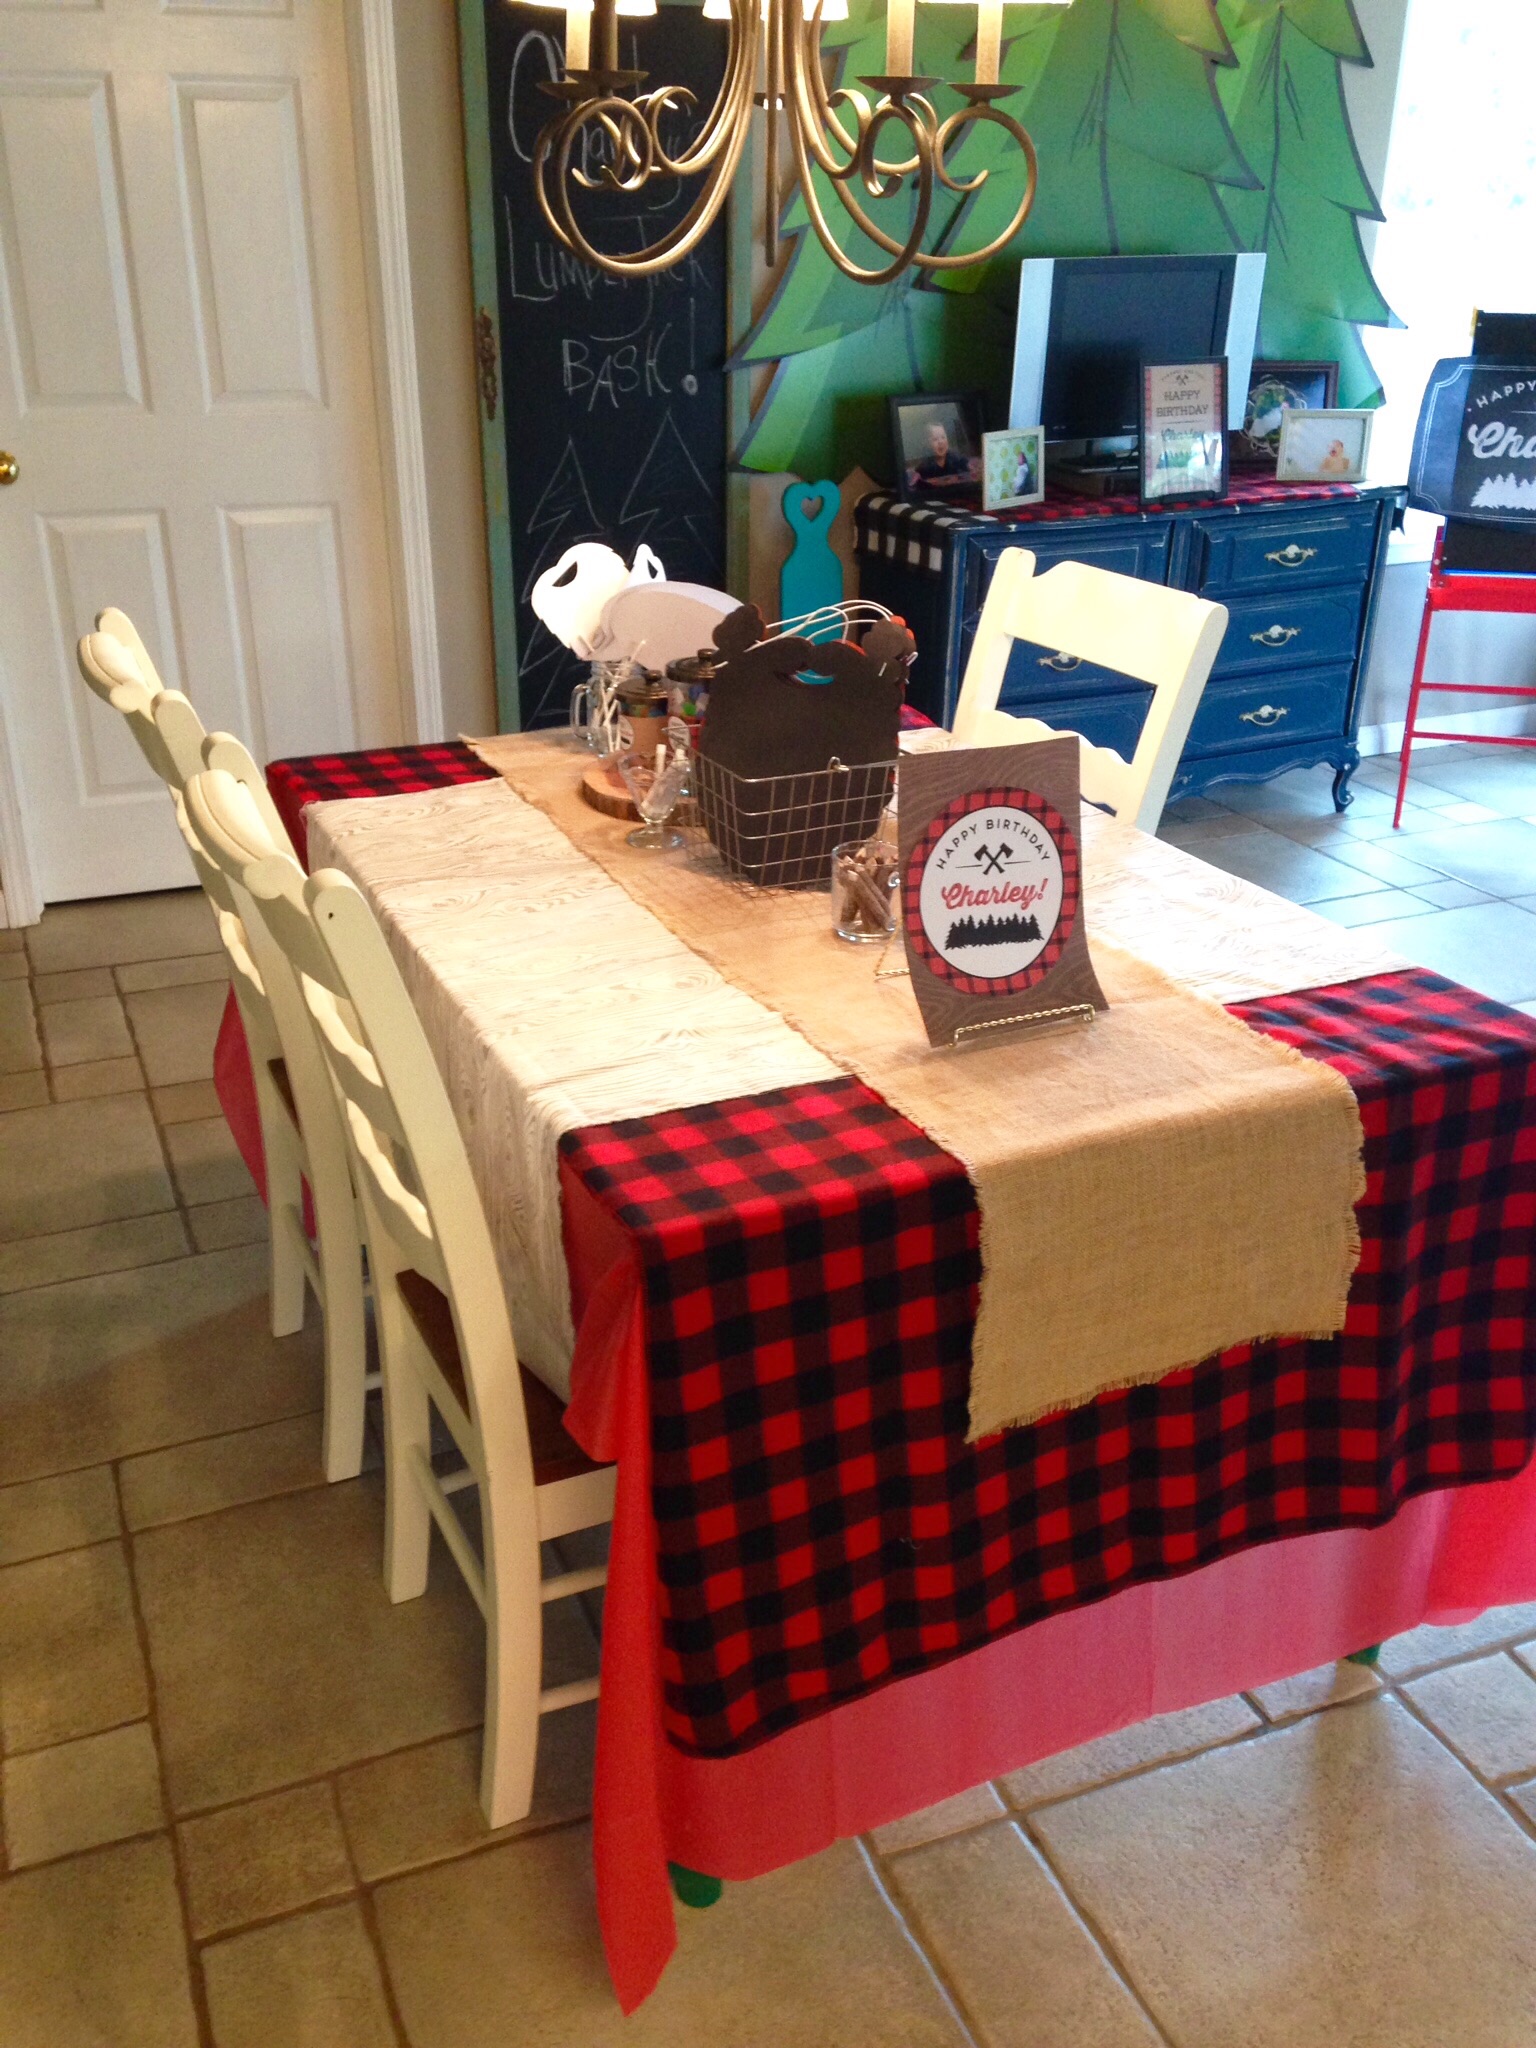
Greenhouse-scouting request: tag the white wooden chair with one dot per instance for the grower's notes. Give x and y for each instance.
(1168, 638)
(444, 1327)
(301, 1130)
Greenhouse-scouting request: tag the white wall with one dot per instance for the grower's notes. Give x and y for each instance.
(1466, 648)
(432, 136)
(1371, 92)
(441, 323)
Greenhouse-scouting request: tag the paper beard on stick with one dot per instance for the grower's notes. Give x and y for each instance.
(570, 598)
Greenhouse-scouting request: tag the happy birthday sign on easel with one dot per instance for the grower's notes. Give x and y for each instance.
(992, 890)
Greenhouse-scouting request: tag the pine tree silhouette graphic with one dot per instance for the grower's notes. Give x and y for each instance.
(992, 931)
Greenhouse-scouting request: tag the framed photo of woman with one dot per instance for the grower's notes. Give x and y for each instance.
(1013, 468)
(1184, 431)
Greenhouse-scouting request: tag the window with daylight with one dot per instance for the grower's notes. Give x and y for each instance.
(1460, 222)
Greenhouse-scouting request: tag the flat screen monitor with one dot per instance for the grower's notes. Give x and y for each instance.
(1087, 324)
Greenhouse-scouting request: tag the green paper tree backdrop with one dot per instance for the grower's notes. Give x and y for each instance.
(1286, 102)
(1163, 126)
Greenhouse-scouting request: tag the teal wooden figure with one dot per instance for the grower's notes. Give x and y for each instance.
(812, 576)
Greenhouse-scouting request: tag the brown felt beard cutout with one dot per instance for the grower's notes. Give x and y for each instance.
(775, 814)
(764, 721)
(991, 890)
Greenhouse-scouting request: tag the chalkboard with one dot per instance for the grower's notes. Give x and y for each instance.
(1474, 453)
(612, 391)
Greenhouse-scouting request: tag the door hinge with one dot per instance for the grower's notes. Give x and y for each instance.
(487, 360)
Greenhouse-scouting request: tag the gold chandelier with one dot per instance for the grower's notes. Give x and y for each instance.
(609, 135)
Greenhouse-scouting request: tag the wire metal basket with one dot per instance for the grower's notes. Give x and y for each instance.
(778, 831)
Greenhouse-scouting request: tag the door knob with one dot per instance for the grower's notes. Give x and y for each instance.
(10, 468)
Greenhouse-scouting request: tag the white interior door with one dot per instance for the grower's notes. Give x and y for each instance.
(188, 394)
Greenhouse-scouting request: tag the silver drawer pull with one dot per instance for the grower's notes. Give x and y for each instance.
(1062, 663)
(1267, 714)
(1291, 557)
(1275, 636)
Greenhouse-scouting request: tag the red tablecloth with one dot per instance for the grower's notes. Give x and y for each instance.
(773, 1302)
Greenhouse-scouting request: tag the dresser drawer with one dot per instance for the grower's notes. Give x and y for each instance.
(1304, 704)
(1111, 720)
(1036, 673)
(1130, 547)
(1291, 630)
(1273, 550)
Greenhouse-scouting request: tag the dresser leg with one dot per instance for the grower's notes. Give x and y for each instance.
(1343, 795)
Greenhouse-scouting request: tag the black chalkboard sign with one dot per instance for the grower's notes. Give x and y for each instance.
(613, 391)
(1474, 454)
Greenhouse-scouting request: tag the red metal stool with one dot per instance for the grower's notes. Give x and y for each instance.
(1464, 592)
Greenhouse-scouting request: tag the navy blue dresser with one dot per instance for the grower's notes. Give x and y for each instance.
(1297, 566)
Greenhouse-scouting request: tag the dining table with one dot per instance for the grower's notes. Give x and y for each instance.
(827, 1608)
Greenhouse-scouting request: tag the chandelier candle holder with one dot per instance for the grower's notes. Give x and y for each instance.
(610, 136)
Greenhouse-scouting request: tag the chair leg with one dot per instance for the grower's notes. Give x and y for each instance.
(346, 1362)
(407, 1428)
(285, 1216)
(1413, 707)
(346, 1332)
(514, 1644)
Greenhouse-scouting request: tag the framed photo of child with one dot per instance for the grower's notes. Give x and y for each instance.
(1184, 431)
(1304, 387)
(1012, 468)
(936, 447)
(1326, 446)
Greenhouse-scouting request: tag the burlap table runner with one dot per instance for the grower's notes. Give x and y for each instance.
(1153, 1188)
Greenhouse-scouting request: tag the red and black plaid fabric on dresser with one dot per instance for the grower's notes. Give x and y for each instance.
(381, 771)
(889, 525)
(810, 1264)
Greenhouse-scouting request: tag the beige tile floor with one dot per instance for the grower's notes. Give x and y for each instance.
(239, 1788)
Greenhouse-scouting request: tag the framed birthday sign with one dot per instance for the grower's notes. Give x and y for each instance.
(992, 889)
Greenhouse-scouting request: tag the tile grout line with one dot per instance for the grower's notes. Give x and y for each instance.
(1511, 1780)
(197, 1990)
(1096, 1933)
(375, 1935)
(1142, 1770)
(911, 1927)
(180, 1443)
(160, 1129)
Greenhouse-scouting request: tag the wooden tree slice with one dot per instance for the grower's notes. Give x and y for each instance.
(613, 799)
(606, 795)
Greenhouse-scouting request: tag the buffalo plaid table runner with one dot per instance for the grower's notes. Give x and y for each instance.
(381, 771)
(810, 1267)
(810, 1263)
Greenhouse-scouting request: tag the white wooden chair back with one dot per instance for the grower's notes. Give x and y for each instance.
(286, 1058)
(1166, 638)
(168, 730)
(444, 1325)
(300, 1126)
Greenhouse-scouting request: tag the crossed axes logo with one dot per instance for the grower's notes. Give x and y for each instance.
(994, 858)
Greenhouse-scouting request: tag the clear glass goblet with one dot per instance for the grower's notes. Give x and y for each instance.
(656, 781)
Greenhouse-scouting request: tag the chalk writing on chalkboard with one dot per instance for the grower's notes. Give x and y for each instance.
(615, 388)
